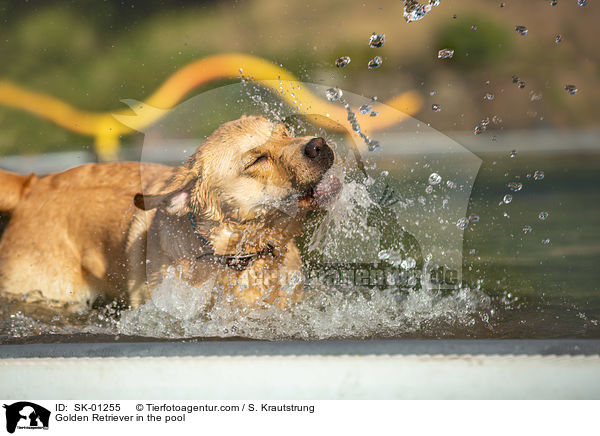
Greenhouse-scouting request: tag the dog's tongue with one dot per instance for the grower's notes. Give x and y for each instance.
(327, 189)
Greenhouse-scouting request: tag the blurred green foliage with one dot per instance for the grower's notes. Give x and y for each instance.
(478, 42)
(94, 53)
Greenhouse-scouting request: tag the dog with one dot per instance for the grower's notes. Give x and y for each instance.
(225, 221)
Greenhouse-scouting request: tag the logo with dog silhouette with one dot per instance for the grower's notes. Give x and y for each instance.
(26, 415)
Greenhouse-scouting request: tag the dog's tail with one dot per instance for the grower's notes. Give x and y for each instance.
(12, 188)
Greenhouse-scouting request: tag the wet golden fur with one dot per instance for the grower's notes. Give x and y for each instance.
(76, 235)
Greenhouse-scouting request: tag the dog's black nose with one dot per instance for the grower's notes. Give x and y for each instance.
(319, 152)
(314, 147)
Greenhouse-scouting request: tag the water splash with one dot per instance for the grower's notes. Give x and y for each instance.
(336, 95)
(329, 310)
(325, 313)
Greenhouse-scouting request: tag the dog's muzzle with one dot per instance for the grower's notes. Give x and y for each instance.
(319, 195)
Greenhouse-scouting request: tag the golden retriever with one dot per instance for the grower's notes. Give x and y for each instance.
(225, 222)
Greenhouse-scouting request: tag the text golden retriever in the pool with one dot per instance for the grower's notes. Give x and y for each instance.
(227, 219)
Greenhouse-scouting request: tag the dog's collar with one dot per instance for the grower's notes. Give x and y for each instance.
(239, 262)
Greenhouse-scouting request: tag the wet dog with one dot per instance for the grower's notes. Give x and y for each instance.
(225, 221)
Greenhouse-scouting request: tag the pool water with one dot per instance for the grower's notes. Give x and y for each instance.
(517, 281)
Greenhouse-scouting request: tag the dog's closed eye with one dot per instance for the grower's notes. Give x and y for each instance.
(257, 160)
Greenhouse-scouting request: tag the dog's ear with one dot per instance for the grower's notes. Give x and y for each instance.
(175, 200)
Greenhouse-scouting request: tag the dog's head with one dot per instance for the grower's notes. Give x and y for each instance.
(249, 174)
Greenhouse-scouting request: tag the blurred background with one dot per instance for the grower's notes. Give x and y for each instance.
(92, 54)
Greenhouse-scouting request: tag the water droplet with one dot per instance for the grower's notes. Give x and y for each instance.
(515, 186)
(533, 96)
(507, 198)
(375, 62)
(515, 79)
(421, 200)
(543, 215)
(365, 109)
(450, 184)
(473, 27)
(434, 179)
(432, 93)
(558, 38)
(436, 107)
(538, 175)
(408, 263)
(474, 218)
(429, 189)
(377, 40)
(373, 114)
(489, 96)
(513, 153)
(334, 94)
(342, 61)
(482, 126)
(414, 11)
(384, 254)
(527, 229)
(521, 84)
(521, 30)
(502, 4)
(385, 173)
(462, 223)
(373, 145)
(445, 53)
(582, 2)
(545, 241)
(571, 89)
